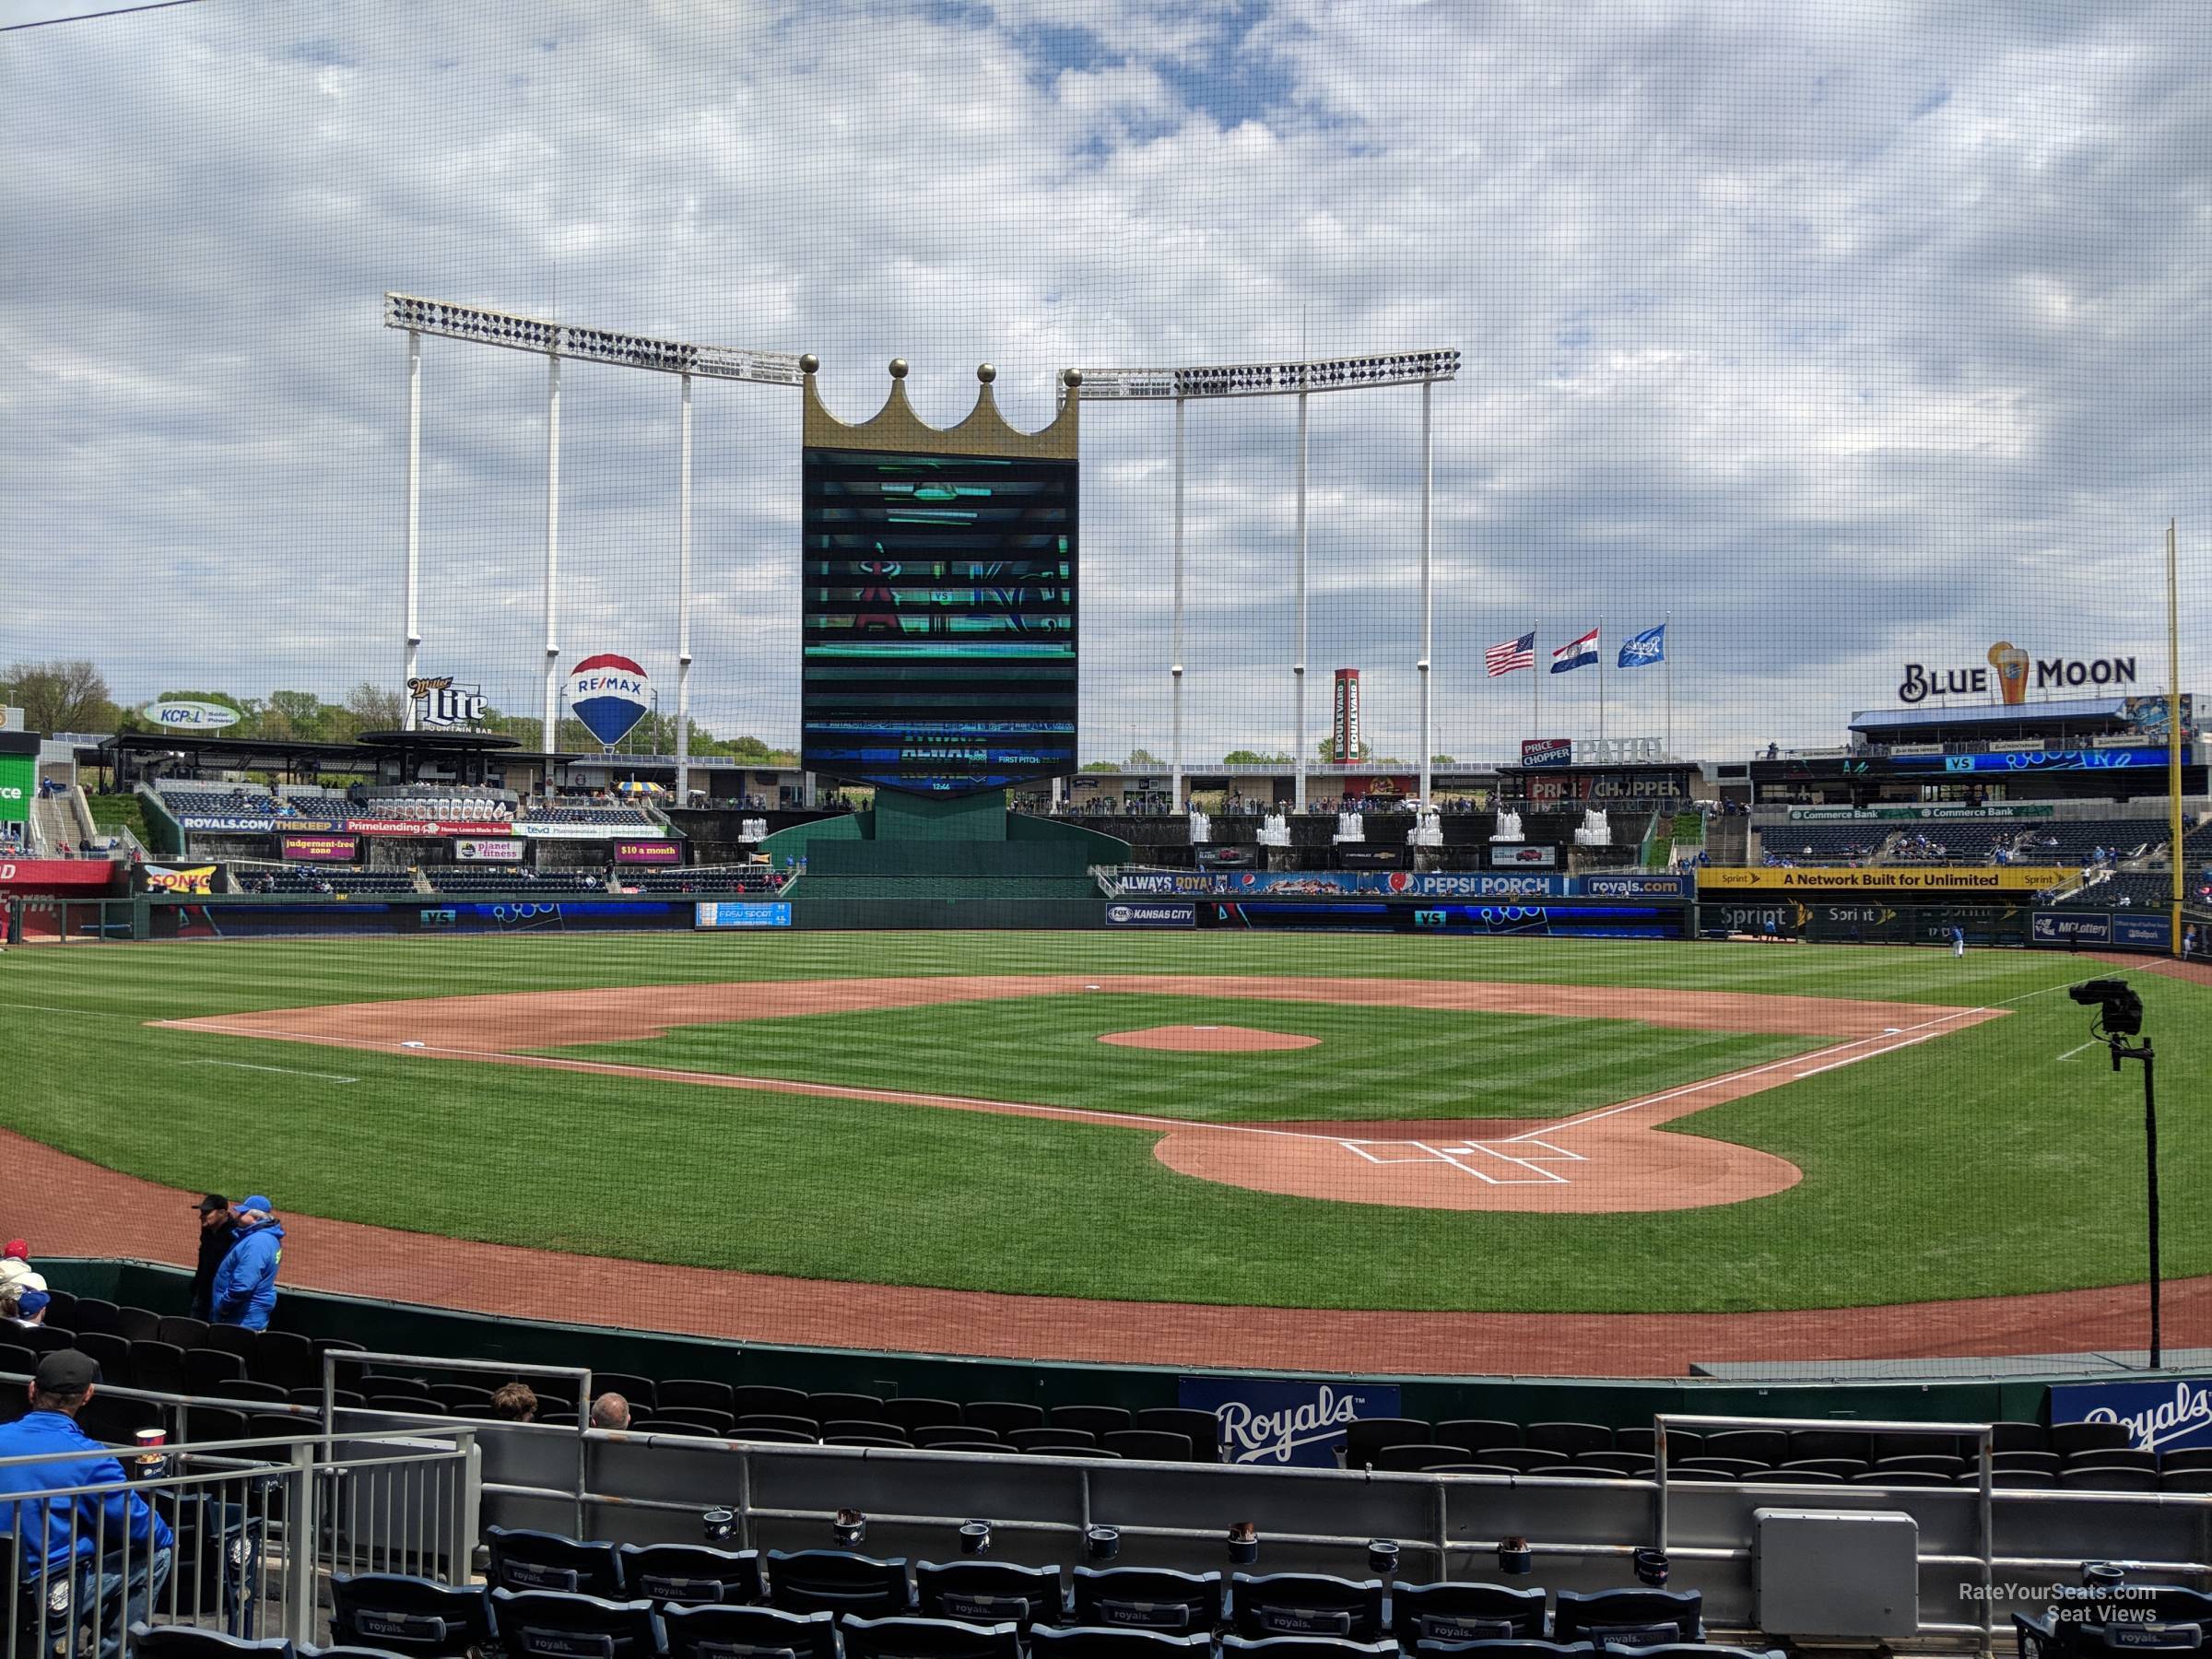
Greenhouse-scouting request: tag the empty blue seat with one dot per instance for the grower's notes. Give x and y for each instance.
(692, 1573)
(408, 1615)
(522, 1560)
(1149, 1598)
(837, 1581)
(1628, 1617)
(990, 1592)
(1304, 1647)
(722, 1632)
(1513, 1648)
(910, 1637)
(1093, 1641)
(1451, 1611)
(1306, 1603)
(189, 1641)
(555, 1624)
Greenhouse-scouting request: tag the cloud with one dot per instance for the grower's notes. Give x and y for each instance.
(1850, 336)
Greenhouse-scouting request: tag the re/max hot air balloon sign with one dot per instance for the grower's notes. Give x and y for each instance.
(610, 694)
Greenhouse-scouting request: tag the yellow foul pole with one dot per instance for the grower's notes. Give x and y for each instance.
(2174, 735)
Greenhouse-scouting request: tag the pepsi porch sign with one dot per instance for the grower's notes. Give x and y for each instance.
(1278, 1424)
(609, 694)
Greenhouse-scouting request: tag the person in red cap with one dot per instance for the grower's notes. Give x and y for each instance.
(16, 1271)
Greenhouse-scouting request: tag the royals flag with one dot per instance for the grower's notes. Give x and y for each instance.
(1509, 655)
(1645, 649)
(1575, 653)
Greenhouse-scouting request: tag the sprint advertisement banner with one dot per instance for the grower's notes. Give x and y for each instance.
(1983, 878)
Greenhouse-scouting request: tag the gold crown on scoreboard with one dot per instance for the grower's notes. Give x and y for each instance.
(985, 431)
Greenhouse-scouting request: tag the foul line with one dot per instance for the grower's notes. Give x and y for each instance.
(289, 1071)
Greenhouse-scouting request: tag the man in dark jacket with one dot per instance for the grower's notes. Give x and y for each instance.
(216, 1236)
(59, 1540)
(244, 1292)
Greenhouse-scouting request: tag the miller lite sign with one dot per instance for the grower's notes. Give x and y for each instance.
(439, 702)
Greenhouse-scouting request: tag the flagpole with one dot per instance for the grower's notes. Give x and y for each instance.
(1536, 688)
(1600, 643)
(1667, 636)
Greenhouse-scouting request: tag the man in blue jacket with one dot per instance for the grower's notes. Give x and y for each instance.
(59, 1541)
(245, 1286)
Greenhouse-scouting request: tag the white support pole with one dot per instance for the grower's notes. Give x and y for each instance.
(1175, 644)
(683, 610)
(1428, 610)
(551, 726)
(1298, 666)
(414, 629)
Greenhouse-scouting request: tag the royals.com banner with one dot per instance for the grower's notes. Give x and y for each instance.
(2162, 1416)
(1398, 884)
(1278, 1424)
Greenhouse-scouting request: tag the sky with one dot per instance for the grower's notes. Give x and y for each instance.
(1844, 337)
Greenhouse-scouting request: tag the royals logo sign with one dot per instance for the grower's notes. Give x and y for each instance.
(2160, 1416)
(1285, 1424)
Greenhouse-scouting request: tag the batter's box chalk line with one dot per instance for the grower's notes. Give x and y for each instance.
(1489, 1162)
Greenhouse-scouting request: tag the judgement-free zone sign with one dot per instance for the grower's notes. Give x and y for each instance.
(939, 633)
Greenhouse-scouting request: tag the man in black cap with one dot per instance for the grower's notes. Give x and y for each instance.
(216, 1236)
(58, 1541)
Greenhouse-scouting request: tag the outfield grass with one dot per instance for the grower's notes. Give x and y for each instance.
(1978, 1163)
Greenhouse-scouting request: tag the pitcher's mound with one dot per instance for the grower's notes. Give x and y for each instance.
(1208, 1039)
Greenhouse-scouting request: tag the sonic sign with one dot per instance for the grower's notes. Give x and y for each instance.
(2007, 677)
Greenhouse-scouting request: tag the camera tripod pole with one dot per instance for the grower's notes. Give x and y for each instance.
(2148, 1056)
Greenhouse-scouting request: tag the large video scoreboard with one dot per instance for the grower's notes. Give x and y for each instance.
(939, 627)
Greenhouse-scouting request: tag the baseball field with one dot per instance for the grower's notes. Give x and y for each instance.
(1513, 1126)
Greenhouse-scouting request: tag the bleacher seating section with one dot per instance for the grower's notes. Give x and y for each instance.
(618, 817)
(322, 878)
(2126, 890)
(266, 1373)
(1823, 844)
(2072, 841)
(202, 801)
(706, 878)
(498, 878)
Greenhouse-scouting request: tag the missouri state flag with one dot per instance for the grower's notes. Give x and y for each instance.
(1575, 653)
(1640, 651)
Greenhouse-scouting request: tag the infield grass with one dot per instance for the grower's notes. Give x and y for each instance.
(1985, 1161)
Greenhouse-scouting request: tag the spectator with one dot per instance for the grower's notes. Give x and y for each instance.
(16, 1271)
(24, 1308)
(65, 1545)
(216, 1238)
(515, 1403)
(610, 1411)
(244, 1291)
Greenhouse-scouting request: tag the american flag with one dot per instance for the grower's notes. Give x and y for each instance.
(1511, 655)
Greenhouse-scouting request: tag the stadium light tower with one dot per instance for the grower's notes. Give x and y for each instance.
(1299, 379)
(482, 326)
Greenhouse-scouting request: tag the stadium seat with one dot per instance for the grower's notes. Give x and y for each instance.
(1306, 1603)
(555, 1624)
(1900, 1477)
(1637, 1463)
(690, 1573)
(18, 1359)
(1924, 1463)
(405, 1615)
(720, 1423)
(804, 1426)
(334, 1651)
(1518, 1649)
(1483, 1434)
(1152, 1445)
(1366, 1436)
(1735, 1468)
(2014, 1479)
(1840, 1445)
(822, 1407)
(204, 1425)
(903, 1637)
(1705, 1476)
(463, 1399)
(758, 1399)
(1095, 1451)
(2048, 1461)
(1041, 1440)
(1203, 1427)
(1453, 1611)
(2111, 1457)
(232, 1339)
(420, 1406)
(1495, 1470)
(523, 1560)
(1151, 1598)
(869, 1429)
(159, 1366)
(135, 1325)
(1002, 1417)
(1415, 1459)
(2070, 1438)
(1092, 1642)
(2091, 1478)
(2064, 1633)
(1765, 1446)
(1570, 1438)
(189, 1641)
(775, 1436)
(695, 1391)
(110, 1352)
(2185, 1457)
(964, 1433)
(96, 1316)
(2186, 1480)
(284, 1357)
(1304, 1647)
(723, 1632)
(641, 1392)
(2019, 1437)
(872, 1443)
(1526, 1458)
(922, 1413)
(1611, 1618)
(1100, 1421)
(260, 1393)
(990, 1592)
(1688, 1650)
(836, 1580)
